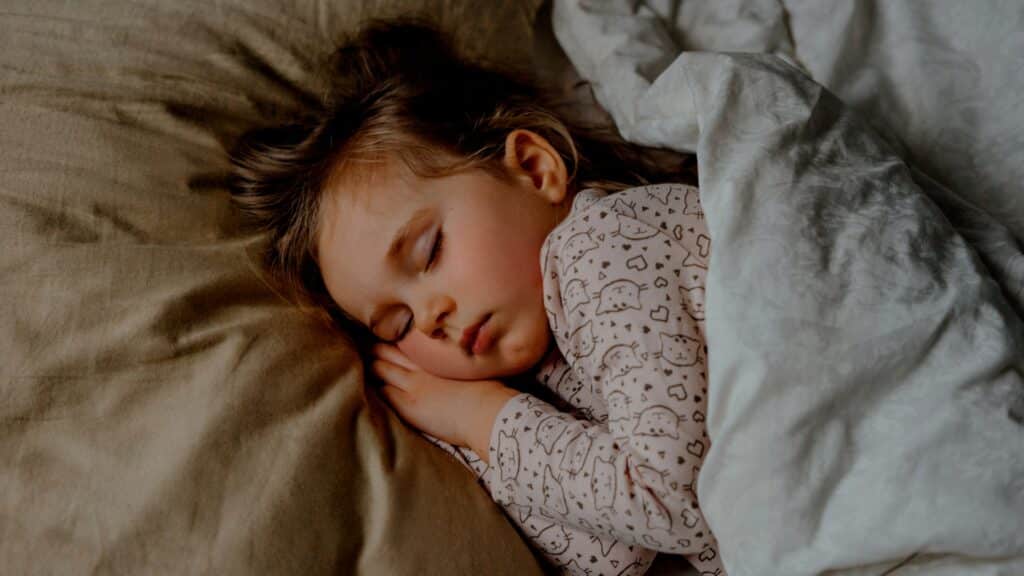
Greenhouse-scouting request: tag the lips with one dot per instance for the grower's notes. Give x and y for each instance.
(469, 335)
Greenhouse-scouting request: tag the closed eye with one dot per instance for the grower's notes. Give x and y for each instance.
(405, 329)
(435, 253)
(435, 250)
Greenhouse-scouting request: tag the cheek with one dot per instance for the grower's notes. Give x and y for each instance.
(515, 271)
(437, 358)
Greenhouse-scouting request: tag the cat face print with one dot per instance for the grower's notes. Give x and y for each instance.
(620, 359)
(577, 245)
(679, 350)
(620, 207)
(568, 385)
(693, 301)
(554, 539)
(618, 296)
(574, 295)
(658, 421)
(618, 406)
(508, 456)
(583, 338)
(549, 431)
(631, 229)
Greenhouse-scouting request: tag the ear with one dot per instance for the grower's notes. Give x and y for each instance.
(530, 157)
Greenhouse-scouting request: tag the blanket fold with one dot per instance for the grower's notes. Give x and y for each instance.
(866, 366)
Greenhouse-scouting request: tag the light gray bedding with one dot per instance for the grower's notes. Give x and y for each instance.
(866, 347)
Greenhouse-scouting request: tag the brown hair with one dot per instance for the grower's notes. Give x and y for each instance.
(400, 90)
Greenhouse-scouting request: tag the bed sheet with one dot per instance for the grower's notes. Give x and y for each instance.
(161, 410)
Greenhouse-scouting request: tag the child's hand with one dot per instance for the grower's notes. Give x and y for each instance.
(460, 412)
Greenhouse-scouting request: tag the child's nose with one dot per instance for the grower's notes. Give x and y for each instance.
(435, 329)
(437, 310)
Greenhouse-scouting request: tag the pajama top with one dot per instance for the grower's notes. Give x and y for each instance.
(600, 470)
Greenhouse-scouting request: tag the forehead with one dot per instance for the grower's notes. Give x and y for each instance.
(359, 216)
(375, 189)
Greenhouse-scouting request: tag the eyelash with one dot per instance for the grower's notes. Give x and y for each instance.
(431, 262)
(435, 250)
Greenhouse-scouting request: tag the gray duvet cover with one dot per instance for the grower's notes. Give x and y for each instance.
(866, 364)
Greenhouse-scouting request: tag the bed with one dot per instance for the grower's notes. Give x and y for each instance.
(165, 412)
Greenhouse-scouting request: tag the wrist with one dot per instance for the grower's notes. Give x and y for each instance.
(482, 416)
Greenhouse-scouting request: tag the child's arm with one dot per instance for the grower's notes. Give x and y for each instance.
(576, 552)
(628, 305)
(448, 413)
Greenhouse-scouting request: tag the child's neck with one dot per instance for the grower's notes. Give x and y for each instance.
(526, 381)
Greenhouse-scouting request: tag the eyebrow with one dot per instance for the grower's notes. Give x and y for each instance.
(402, 235)
(397, 245)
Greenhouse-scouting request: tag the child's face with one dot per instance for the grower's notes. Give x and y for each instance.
(472, 253)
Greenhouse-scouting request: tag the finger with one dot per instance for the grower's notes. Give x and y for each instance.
(394, 355)
(389, 352)
(391, 393)
(390, 373)
(396, 398)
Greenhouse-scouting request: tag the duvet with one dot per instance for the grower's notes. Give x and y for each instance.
(866, 392)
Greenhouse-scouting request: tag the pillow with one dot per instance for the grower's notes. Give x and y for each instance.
(164, 411)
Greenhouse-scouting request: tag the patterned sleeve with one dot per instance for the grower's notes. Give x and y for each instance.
(629, 298)
(574, 551)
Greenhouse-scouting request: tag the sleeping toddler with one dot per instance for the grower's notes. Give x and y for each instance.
(445, 210)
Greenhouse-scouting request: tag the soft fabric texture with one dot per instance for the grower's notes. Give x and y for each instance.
(866, 406)
(568, 548)
(624, 291)
(163, 411)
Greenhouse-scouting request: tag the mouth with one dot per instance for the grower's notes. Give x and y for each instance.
(471, 340)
